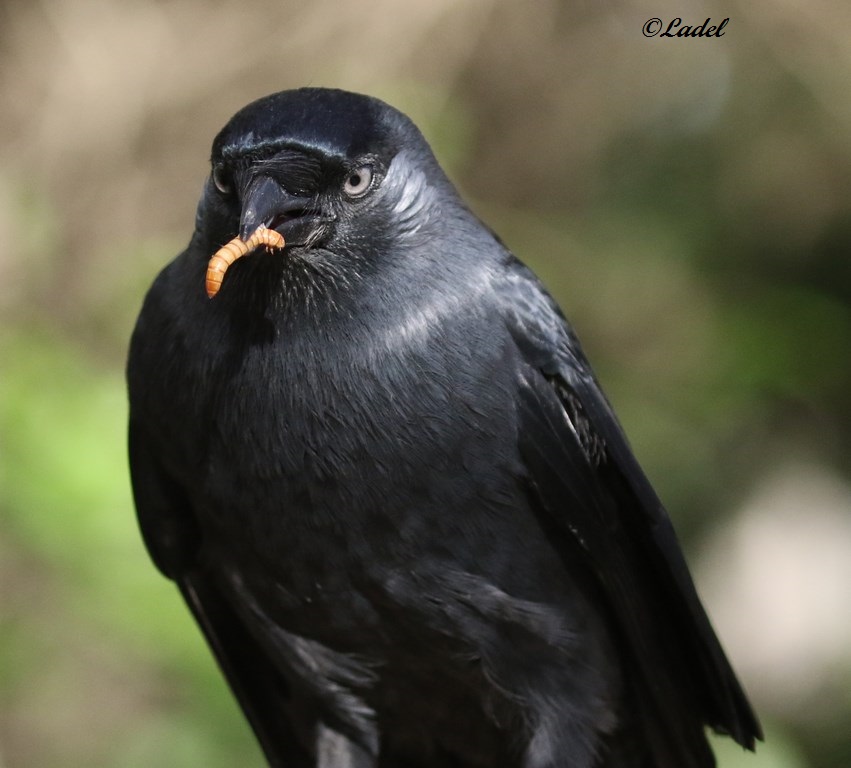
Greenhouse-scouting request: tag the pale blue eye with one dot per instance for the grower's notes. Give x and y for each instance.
(358, 181)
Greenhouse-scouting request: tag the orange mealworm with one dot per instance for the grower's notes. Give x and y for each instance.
(235, 249)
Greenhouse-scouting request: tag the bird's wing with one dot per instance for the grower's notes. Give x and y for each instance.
(174, 541)
(592, 491)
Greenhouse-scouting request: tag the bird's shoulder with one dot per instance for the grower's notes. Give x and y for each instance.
(549, 348)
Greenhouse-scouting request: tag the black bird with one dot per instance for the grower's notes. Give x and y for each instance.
(385, 479)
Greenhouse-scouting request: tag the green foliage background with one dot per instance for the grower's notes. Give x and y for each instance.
(687, 201)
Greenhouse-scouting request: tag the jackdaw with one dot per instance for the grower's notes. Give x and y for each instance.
(383, 475)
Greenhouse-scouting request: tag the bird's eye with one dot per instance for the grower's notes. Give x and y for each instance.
(358, 181)
(222, 180)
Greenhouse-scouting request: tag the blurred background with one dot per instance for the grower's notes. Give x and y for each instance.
(687, 201)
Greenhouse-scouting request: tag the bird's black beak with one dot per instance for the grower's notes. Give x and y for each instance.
(265, 202)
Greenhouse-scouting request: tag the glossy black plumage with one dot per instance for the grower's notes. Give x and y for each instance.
(381, 472)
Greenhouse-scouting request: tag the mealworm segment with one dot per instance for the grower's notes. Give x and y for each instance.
(236, 249)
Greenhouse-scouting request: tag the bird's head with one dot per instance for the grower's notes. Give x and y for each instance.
(344, 178)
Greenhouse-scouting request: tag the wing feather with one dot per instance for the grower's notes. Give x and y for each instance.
(589, 483)
(174, 542)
